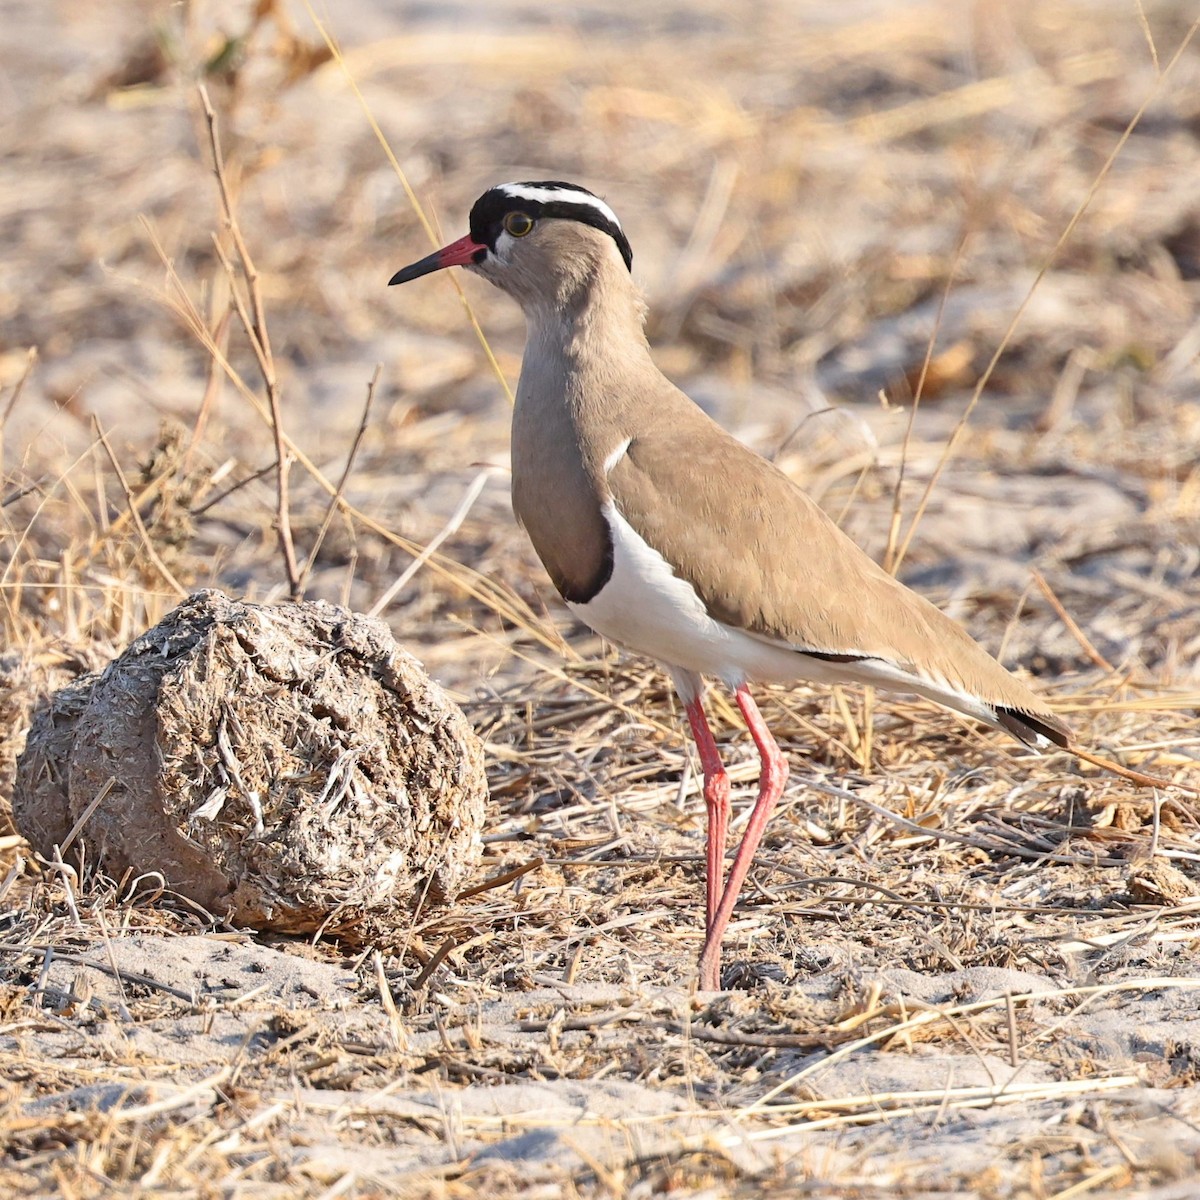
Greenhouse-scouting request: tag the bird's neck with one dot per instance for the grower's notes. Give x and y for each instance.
(584, 353)
(594, 314)
(585, 370)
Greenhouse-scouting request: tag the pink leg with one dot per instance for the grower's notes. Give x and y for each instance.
(770, 788)
(716, 799)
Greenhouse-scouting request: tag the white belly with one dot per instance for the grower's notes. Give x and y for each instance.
(647, 608)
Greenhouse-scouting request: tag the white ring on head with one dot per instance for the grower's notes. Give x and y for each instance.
(520, 191)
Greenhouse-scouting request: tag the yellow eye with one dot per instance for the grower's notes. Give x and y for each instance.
(518, 223)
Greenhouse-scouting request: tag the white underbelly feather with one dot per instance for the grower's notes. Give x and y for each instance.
(647, 608)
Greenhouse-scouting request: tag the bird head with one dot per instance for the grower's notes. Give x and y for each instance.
(537, 241)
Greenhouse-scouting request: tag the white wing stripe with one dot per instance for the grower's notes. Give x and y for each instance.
(646, 607)
(617, 454)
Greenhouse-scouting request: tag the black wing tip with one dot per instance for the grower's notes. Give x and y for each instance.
(1033, 729)
(830, 656)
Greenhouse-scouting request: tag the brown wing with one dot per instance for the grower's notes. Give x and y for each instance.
(765, 558)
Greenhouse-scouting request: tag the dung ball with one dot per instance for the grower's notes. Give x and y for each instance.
(286, 767)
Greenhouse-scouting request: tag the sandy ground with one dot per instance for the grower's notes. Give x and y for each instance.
(301, 1047)
(959, 970)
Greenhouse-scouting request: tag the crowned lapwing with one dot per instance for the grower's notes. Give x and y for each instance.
(666, 535)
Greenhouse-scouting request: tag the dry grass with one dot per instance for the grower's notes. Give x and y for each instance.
(958, 970)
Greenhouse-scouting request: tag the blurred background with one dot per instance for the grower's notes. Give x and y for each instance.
(835, 209)
(817, 196)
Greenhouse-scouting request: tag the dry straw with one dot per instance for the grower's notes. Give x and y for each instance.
(842, 190)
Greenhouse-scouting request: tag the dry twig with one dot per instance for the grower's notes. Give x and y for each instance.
(254, 322)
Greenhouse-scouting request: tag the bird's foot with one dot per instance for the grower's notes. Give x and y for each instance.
(710, 966)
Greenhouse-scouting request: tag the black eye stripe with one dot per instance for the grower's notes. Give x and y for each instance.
(489, 211)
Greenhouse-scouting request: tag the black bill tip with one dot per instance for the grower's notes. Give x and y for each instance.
(462, 253)
(415, 270)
